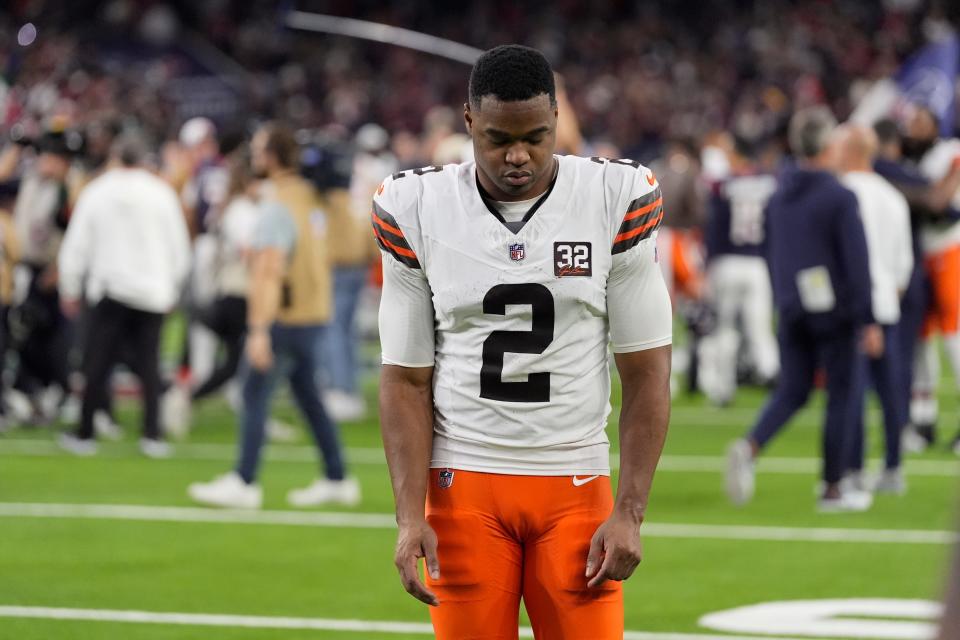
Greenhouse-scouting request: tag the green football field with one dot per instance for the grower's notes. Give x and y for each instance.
(110, 546)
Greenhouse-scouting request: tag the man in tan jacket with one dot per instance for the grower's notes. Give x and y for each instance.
(288, 307)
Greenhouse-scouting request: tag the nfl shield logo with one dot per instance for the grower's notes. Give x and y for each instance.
(516, 252)
(446, 479)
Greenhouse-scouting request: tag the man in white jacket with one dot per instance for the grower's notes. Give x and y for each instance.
(128, 250)
(886, 222)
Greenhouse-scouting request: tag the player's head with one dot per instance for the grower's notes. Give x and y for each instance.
(511, 113)
(809, 133)
(921, 130)
(199, 137)
(856, 147)
(128, 150)
(888, 139)
(273, 149)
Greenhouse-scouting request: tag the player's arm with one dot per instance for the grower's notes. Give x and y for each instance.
(641, 332)
(406, 398)
(274, 240)
(75, 255)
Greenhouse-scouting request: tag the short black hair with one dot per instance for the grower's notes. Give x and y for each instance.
(887, 131)
(511, 73)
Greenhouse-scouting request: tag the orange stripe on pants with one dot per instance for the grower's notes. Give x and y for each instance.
(504, 537)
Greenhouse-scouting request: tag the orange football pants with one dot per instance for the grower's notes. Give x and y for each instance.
(503, 538)
(943, 313)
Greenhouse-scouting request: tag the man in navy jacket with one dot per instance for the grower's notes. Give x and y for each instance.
(817, 254)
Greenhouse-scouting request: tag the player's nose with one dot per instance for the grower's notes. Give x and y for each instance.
(517, 155)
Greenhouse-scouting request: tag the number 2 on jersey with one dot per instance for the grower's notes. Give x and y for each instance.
(537, 386)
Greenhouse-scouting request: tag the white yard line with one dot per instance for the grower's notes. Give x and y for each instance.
(386, 521)
(313, 624)
(374, 456)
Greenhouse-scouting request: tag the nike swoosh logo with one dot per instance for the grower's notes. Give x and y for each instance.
(579, 482)
(651, 179)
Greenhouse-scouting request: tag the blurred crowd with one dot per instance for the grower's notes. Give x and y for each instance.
(638, 74)
(704, 95)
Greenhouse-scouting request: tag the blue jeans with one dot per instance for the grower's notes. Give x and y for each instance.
(340, 345)
(296, 356)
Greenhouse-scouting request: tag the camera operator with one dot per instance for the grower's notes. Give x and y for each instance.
(40, 215)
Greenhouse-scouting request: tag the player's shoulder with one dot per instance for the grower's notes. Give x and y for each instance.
(398, 207)
(401, 194)
(613, 172)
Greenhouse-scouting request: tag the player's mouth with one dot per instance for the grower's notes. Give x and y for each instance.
(518, 179)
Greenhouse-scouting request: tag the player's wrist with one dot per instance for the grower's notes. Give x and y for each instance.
(633, 509)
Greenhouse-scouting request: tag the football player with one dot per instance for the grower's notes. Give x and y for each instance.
(504, 281)
(738, 280)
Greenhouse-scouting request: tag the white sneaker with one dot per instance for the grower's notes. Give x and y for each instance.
(343, 406)
(18, 406)
(175, 411)
(913, 442)
(228, 491)
(77, 446)
(105, 427)
(740, 481)
(849, 501)
(278, 431)
(323, 491)
(70, 410)
(156, 449)
(891, 481)
(854, 481)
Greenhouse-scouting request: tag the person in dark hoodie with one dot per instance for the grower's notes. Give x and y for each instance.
(817, 254)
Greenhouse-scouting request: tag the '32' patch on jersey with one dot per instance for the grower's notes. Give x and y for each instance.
(572, 259)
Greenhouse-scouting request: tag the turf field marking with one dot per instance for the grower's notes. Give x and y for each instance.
(886, 618)
(271, 622)
(386, 521)
(374, 456)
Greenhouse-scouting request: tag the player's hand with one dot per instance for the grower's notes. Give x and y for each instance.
(872, 343)
(417, 541)
(614, 550)
(259, 350)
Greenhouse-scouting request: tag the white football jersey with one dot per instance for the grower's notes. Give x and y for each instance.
(517, 324)
(935, 165)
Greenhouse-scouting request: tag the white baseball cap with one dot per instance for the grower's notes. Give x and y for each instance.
(196, 130)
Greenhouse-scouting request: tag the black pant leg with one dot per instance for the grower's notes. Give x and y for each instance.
(144, 331)
(109, 318)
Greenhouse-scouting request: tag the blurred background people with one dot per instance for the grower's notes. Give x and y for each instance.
(289, 305)
(818, 259)
(127, 250)
(886, 222)
(738, 281)
(41, 214)
(9, 255)
(204, 195)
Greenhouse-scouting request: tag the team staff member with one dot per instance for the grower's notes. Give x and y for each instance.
(501, 278)
(288, 305)
(128, 245)
(929, 201)
(886, 222)
(817, 252)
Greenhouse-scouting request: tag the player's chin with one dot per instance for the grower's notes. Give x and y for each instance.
(517, 187)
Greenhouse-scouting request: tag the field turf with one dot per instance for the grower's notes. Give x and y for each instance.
(177, 563)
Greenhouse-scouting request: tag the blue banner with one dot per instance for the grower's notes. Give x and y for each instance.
(929, 78)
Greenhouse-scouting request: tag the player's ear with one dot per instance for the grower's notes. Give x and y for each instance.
(468, 117)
